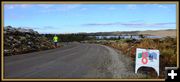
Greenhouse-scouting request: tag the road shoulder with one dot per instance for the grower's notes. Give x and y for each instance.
(121, 66)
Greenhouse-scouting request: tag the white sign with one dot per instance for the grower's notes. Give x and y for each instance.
(147, 58)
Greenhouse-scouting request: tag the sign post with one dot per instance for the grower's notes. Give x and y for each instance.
(147, 58)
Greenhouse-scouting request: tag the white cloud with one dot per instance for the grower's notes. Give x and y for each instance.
(111, 8)
(12, 6)
(61, 7)
(132, 24)
(72, 6)
(45, 5)
(131, 6)
(162, 6)
(25, 5)
(15, 17)
(83, 8)
(8, 6)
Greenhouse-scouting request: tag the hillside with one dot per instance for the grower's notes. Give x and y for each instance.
(162, 33)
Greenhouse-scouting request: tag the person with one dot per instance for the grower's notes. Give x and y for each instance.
(55, 39)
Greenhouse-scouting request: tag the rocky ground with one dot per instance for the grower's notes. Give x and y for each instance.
(20, 40)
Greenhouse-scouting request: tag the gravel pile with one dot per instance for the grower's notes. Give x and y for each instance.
(20, 40)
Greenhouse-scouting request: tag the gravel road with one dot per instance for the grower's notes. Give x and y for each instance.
(74, 60)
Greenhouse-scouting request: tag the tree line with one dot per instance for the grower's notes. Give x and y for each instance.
(79, 37)
(69, 37)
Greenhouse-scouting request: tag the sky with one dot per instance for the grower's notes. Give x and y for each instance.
(76, 18)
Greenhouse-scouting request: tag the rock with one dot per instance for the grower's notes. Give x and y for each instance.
(28, 36)
(29, 43)
(5, 32)
(7, 52)
(11, 37)
(20, 40)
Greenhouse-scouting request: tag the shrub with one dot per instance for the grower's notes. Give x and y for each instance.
(167, 47)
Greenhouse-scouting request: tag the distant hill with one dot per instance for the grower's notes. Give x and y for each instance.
(117, 33)
(162, 33)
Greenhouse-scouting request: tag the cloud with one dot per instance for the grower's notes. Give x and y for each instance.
(45, 28)
(49, 7)
(45, 5)
(48, 27)
(60, 7)
(162, 6)
(132, 6)
(9, 6)
(111, 8)
(15, 17)
(29, 27)
(66, 7)
(131, 24)
(12, 6)
(147, 24)
(101, 24)
(164, 24)
(83, 8)
(25, 5)
(71, 6)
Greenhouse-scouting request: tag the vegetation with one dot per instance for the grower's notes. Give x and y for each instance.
(70, 37)
(167, 47)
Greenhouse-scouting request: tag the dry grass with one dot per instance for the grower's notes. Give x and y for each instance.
(167, 47)
(162, 33)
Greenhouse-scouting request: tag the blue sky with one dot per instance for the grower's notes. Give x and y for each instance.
(75, 18)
